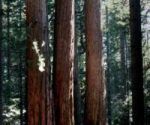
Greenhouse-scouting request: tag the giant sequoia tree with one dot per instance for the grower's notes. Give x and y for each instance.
(78, 84)
(94, 109)
(136, 63)
(64, 62)
(37, 64)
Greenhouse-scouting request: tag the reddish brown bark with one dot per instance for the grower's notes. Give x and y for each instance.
(95, 107)
(38, 105)
(64, 62)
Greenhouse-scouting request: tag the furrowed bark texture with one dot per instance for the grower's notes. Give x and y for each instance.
(94, 109)
(38, 107)
(64, 62)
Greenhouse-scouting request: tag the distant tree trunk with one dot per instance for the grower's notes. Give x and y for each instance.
(38, 69)
(21, 103)
(77, 92)
(64, 62)
(25, 86)
(128, 73)
(108, 85)
(123, 65)
(8, 51)
(94, 107)
(136, 63)
(1, 82)
(21, 89)
(124, 77)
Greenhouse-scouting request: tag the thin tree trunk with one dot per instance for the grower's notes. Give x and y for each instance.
(94, 107)
(136, 63)
(1, 82)
(64, 62)
(128, 72)
(8, 51)
(38, 63)
(20, 73)
(123, 65)
(21, 89)
(108, 72)
(77, 92)
(122, 51)
(124, 78)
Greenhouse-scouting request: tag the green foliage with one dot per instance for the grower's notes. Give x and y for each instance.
(13, 44)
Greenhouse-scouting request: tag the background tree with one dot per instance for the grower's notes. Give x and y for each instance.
(108, 85)
(115, 23)
(1, 82)
(136, 63)
(79, 74)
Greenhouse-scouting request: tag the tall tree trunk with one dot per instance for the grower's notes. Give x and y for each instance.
(77, 92)
(124, 77)
(128, 73)
(123, 65)
(1, 82)
(64, 62)
(38, 63)
(8, 52)
(108, 72)
(136, 63)
(21, 103)
(21, 89)
(94, 107)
